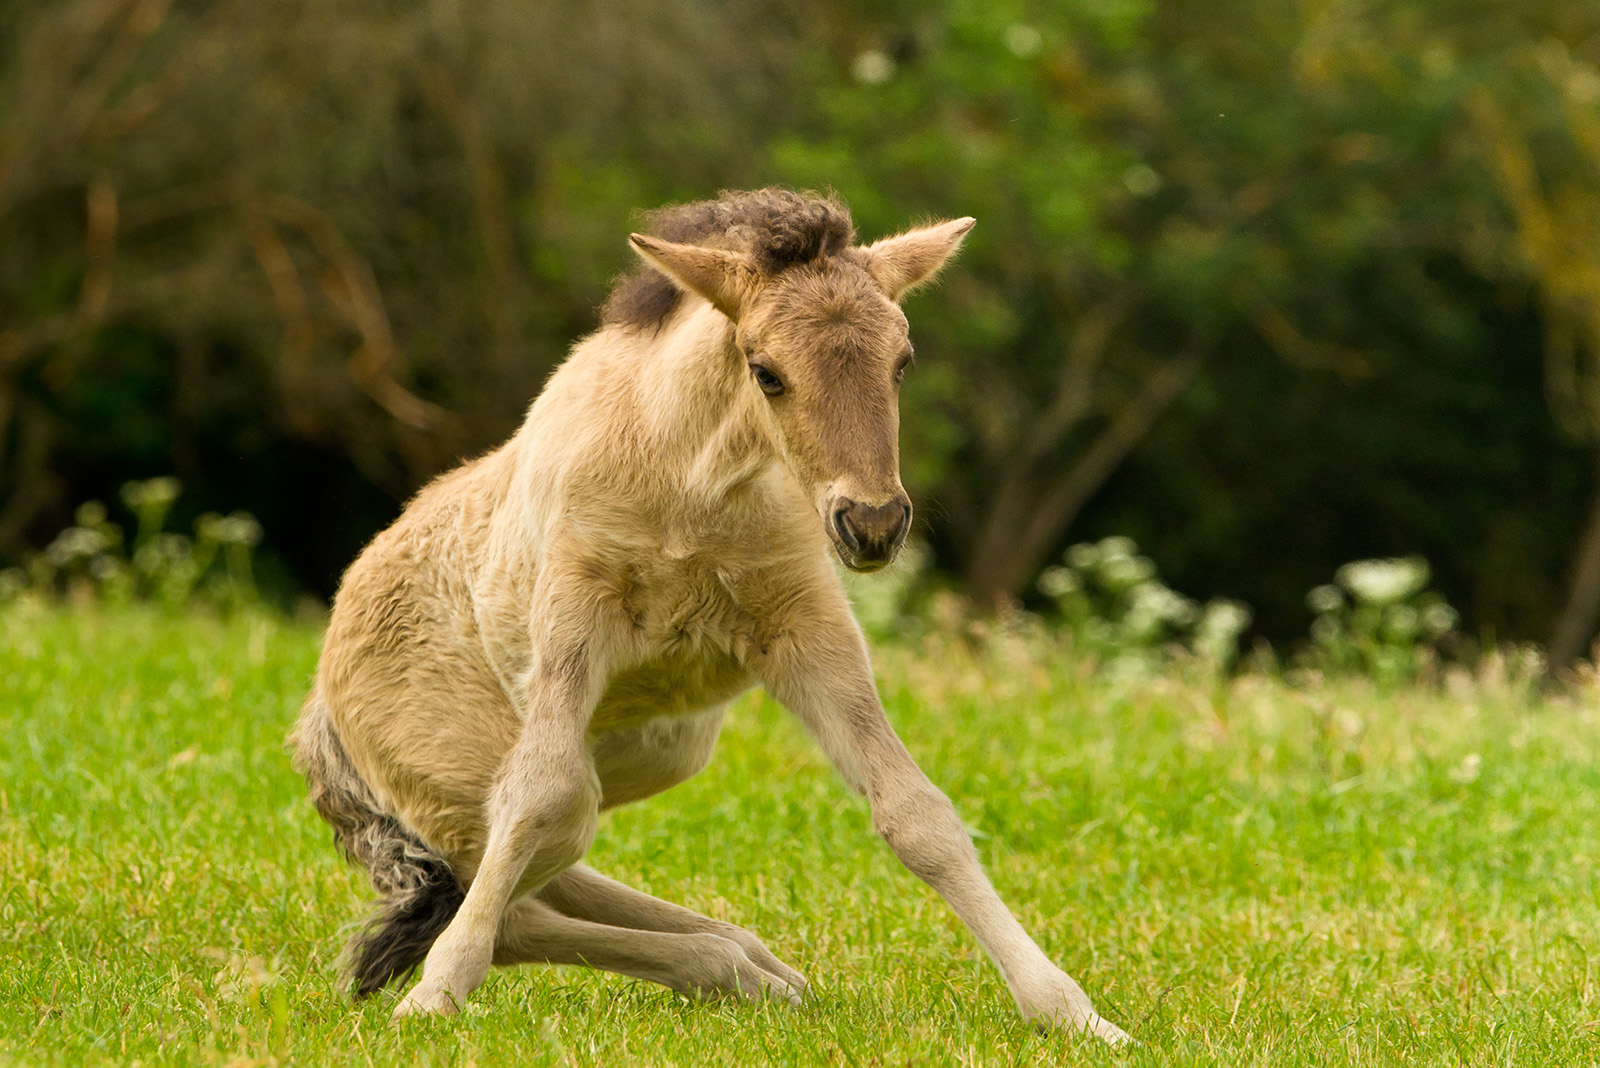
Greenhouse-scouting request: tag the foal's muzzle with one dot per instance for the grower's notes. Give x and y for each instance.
(867, 536)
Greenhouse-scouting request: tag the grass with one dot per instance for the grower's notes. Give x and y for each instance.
(1240, 873)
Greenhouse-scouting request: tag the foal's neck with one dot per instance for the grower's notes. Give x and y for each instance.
(697, 408)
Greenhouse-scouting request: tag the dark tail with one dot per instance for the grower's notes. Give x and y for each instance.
(419, 891)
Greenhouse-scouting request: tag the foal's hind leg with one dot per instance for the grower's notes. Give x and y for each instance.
(542, 814)
(584, 894)
(701, 964)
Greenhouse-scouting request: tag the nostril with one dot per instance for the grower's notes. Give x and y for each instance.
(902, 523)
(841, 524)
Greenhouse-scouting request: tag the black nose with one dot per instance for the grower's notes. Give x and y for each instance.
(871, 533)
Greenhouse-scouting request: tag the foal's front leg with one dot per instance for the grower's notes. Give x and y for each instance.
(821, 672)
(543, 812)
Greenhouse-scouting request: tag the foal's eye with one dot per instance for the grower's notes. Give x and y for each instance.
(903, 366)
(770, 383)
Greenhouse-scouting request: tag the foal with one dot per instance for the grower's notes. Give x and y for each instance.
(556, 627)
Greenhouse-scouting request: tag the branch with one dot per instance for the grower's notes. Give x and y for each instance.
(1017, 475)
(99, 250)
(353, 289)
(490, 199)
(1091, 341)
(1062, 502)
(1025, 520)
(287, 293)
(87, 99)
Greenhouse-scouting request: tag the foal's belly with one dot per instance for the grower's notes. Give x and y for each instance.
(634, 763)
(677, 683)
(658, 722)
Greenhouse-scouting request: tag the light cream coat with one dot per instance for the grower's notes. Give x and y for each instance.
(556, 628)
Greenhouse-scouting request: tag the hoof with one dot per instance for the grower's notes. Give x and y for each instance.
(426, 1000)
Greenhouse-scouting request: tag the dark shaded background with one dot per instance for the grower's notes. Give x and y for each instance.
(1268, 286)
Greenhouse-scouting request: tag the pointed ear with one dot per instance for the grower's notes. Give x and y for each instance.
(899, 264)
(726, 279)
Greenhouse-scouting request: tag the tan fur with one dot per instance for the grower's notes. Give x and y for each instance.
(556, 627)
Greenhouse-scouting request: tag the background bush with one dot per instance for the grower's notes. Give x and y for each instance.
(1267, 287)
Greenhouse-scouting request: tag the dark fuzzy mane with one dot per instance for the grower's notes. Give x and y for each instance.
(777, 227)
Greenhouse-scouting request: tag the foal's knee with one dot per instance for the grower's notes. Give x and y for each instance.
(552, 815)
(922, 828)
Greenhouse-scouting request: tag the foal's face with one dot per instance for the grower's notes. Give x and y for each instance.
(827, 350)
(826, 346)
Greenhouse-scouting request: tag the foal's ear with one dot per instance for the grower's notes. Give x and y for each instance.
(726, 279)
(902, 263)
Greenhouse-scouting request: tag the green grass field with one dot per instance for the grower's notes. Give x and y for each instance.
(1249, 872)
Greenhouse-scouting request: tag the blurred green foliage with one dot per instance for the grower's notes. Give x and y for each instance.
(1378, 618)
(1268, 286)
(1109, 598)
(92, 560)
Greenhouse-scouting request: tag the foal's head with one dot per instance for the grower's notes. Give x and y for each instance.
(818, 324)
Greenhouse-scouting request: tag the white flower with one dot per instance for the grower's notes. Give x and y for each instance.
(1439, 619)
(13, 580)
(1325, 630)
(1116, 546)
(170, 545)
(156, 491)
(1023, 40)
(1163, 603)
(873, 67)
(1384, 582)
(1058, 582)
(1225, 617)
(1083, 555)
(240, 527)
(1401, 621)
(1216, 636)
(1325, 598)
(73, 543)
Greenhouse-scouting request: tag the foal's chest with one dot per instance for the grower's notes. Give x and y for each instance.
(694, 641)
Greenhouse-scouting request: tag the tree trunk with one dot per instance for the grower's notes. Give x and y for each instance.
(1578, 620)
(1015, 541)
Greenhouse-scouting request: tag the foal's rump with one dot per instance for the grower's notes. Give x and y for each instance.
(425, 743)
(405, 686)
